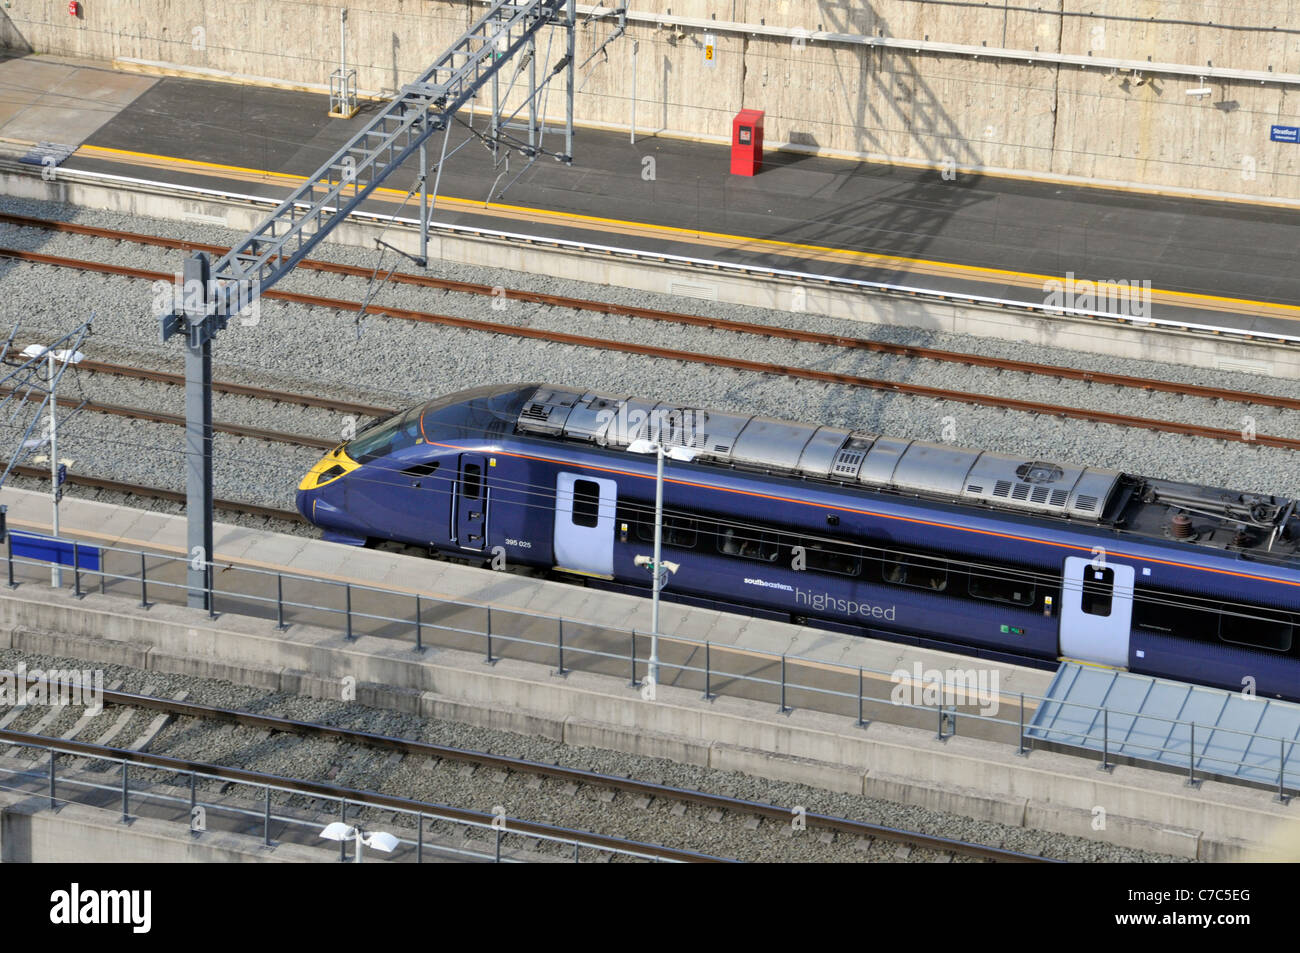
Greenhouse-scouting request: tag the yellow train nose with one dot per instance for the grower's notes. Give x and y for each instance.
(328, 469)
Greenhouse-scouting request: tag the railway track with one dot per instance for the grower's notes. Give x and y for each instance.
(630, 787)
(237, 390)
(159, 493)
(715, 360)
(162, 417)
(354, 798)
(156, 416)
(673, 317)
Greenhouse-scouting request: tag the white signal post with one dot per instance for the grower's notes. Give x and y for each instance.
(66, 357)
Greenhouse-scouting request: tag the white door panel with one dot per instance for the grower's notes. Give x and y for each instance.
(584, 523)
(1096, 611)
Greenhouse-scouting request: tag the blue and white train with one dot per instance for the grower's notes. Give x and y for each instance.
(984, 553)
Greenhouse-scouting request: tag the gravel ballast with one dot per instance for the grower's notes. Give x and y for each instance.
(480, 790)
(395, 363)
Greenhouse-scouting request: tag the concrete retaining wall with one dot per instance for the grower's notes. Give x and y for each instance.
(926, 108)
(31, 833)
(1048, 790)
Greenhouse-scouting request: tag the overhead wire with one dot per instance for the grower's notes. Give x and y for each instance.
(544, 499)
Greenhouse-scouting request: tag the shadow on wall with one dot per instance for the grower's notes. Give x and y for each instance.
(397, 75)
(909, 103)
(11, 41)
(883, 97)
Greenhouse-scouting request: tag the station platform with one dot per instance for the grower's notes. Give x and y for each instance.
(525, 609)
(965, 772)
(1210, 263)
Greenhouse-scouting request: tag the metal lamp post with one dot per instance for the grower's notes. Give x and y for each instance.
(66, 357)
(656, 564)
(380, 840)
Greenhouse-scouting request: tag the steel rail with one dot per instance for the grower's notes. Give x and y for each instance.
(237, 390)
(558, 772)
(720, 324)
(161, 417)
(713, 360)
(158, 493)
(762, 272)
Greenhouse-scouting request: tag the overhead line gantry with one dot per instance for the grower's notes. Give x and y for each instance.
(215, 293)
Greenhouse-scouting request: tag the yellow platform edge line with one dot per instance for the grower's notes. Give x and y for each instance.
(626, 225)
(178, 71)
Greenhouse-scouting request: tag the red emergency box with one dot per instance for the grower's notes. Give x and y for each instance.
(747, 142)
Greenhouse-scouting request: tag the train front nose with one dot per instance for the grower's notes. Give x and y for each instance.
(327, 470)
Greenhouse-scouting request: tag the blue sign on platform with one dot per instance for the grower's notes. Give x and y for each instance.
(1285, 134)
(49, 549)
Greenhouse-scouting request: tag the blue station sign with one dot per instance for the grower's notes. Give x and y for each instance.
(1285, 134)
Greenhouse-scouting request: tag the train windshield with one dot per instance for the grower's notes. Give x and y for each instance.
(395, 433)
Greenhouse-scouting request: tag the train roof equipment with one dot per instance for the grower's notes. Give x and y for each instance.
(1250, 523)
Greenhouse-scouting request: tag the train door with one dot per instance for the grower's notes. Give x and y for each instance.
(584, 524)
(470, 503)
(1096, 611)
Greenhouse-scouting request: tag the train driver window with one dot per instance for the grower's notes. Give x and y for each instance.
(419, 471)
(388, 436)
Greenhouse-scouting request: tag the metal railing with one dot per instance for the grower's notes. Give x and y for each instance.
(154, 786)
(343, 93)
(858, 692)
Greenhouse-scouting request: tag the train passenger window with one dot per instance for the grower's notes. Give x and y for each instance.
(923, 572)
(748, 543)
(1098, 589)
(586, 503)
(1257, 628)
(679, 531)
(1001, 585)
(830, 557)
(471, 481)
(1175, 614)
